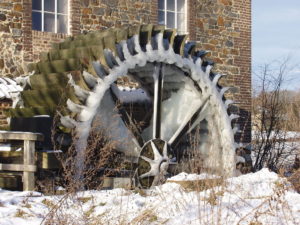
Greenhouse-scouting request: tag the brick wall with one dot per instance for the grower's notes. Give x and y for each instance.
(243, 61)
(42, 42)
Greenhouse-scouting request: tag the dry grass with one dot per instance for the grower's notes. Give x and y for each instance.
(48, 203)
(294, 179)
(20, 213)
(145, 217)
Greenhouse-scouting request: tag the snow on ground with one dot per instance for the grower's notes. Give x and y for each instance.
(256, 198)
(190, 177)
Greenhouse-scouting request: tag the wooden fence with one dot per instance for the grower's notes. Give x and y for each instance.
(29, 163)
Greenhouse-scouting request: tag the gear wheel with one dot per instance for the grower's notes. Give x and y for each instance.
(175, 93)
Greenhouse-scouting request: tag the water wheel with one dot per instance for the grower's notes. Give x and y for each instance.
(125, 77)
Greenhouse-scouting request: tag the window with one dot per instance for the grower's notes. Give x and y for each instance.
(172, 13)
(50, 15)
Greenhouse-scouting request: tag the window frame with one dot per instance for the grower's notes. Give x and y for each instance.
(165, 11)
(56, 14)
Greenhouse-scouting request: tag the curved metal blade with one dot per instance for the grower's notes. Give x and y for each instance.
(189, 122)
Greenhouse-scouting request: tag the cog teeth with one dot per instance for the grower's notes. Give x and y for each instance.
(208, 69)
(120, 52)
(73, 107)
(198, 61)
(240, 159)
(228, 102)
(201, 53)
(68, 122)
(80, 93)
(188, 48)
(89, 79)
(100, 70)
(236, 129)
(216, 78)
(160, 42)
(110, 59)
(224, 89)
(234, 116)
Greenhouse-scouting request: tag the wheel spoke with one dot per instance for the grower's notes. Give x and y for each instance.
(158, 91)
(188, 123)
(147, 159)
(155, 151)
(165, 150)
(148, 174)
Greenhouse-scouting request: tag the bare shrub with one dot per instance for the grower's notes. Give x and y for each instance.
(270, 118)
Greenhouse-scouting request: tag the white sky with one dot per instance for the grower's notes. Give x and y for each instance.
(276, 33)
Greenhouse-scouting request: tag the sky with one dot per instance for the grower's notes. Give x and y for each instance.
(276, 34)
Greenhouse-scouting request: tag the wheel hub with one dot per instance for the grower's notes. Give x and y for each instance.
(153, 162)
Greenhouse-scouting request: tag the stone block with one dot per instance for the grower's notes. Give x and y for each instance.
(2, 17)
(4, 28)
(18, 7)
(1, 63)
(16, 32)
(99, 11)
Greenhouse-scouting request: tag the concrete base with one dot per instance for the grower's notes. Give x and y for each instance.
(117, 182)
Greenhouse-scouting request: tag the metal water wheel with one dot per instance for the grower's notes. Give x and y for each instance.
(150, 87)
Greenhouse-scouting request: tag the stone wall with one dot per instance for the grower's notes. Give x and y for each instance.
(11, 37)
(96, 14)
(223, 27)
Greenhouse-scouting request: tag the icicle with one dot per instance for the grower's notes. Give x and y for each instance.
(228, 102)
(240, 159)
(233, 116)
(236, 129)
(68, 122)
(80, 93)
(223, 90)
(216, 79)
(73, 107)
(207, 71)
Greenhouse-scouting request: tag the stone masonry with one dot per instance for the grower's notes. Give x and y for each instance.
(222, 27)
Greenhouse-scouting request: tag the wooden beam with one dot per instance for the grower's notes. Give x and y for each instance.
(29, 159)
(18, 167)
(6, 135)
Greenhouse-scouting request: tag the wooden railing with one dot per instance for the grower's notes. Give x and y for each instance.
(29, 165)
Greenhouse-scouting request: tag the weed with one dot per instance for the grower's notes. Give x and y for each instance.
(90, 211)
(48, 203)
(84, 199)
(145, 217)
(20, 213)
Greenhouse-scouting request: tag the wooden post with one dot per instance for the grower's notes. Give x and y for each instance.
(29, 159)
(28, 167)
